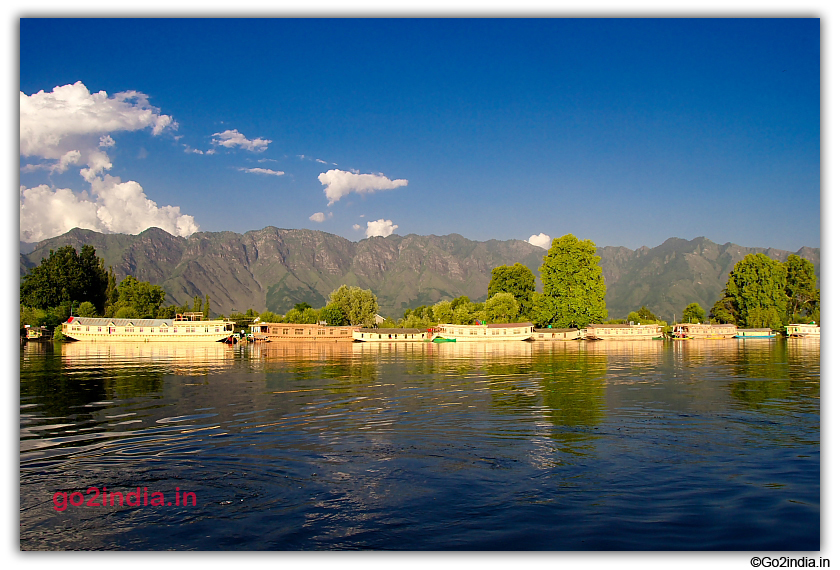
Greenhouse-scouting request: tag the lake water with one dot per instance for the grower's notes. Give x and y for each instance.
(699, 445)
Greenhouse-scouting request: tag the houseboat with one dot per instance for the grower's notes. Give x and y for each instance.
(800, 330)
(273, 332)
(704, 331)
(755, 333)
(483, 333)
(622, 332)
(187, 327)
(557, 334)
(38, 333)
(390, 335)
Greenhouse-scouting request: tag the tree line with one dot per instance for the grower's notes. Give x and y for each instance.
(760, 293)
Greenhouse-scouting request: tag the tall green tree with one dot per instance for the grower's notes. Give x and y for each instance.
(138, 299)
(723, 311)
(442, 312)
(66, 277)
(693, 313)
(801, 289)
(358, 305)
(573, 285)
(502, 308)
(517, 280)
(757, 288)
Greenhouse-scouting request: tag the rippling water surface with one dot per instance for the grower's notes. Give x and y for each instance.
(561, 446)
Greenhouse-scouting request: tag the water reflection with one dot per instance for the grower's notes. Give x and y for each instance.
(421, 445)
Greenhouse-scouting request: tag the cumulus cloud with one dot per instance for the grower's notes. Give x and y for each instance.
(380, 227)
(71, 119)
(540, 240)
(233, 138)
(340, 183)
(320, 216)
(112, 206)
(263, 171)
(357, 227)
(72, 126)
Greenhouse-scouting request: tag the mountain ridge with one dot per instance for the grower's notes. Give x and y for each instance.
(275, 268)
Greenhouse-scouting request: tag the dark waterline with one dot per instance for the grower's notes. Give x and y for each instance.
(702, 445)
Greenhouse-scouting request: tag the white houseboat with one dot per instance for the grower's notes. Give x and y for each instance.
(483, 333)
(704, 331)
(799, 330)
(183, 328)
(755, 333)
(301, 332)
(622, 332)
(390, 335)
(549, 335)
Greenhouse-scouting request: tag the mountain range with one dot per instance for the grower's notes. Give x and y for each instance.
(273, 269)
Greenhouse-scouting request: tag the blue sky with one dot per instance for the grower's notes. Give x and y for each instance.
(623, 131)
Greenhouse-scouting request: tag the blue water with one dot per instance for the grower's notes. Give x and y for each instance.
(702, 445)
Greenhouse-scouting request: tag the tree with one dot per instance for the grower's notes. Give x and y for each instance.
(801, 289)
(517, 280)
(66, 277)
(333, 315)
(86, 309)
(723, 311)
(206, 312)
(442, 312)
(270, 317)
(144, 298)
(359, 306)
(302, 306)
(757, 288)
(573, 285)
(646, 314)
(693, 313)
(502, 308)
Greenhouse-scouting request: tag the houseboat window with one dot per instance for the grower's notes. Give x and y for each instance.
(174, 330)
(473, 331)
(461, 331)
(99, 329)
(87, 329)
(332, 331)
(298, 331)
(141, 329)
(343, 331)
(285, 331)
(321, 331)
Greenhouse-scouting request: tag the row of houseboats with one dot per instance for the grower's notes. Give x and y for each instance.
(191, 327)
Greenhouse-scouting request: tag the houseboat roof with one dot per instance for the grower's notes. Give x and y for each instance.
(755, 330)
(554, 330)
(508, 325)
(393, 331)
(618, 326)
(102, 322)
(714, 325)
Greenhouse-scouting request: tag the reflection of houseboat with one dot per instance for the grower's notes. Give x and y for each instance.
(484, 333)
(701, 330)
(38, 333)
(389, 335)
(301, 332)
(188, 327)
(800, 330)
(622, 332)
(557, 334)
(755, 333)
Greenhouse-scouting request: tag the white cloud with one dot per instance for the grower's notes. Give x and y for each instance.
(233, 138)
(71, 119)
(540, 240)
(71, 126)
(357, 227)
(340, 183)
(320, 216)
(112, 206)
(263, 171)
(380, 227)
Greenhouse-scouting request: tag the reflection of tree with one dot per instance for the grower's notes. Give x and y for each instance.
(63, 387)
(768, 374)
(573, 385)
